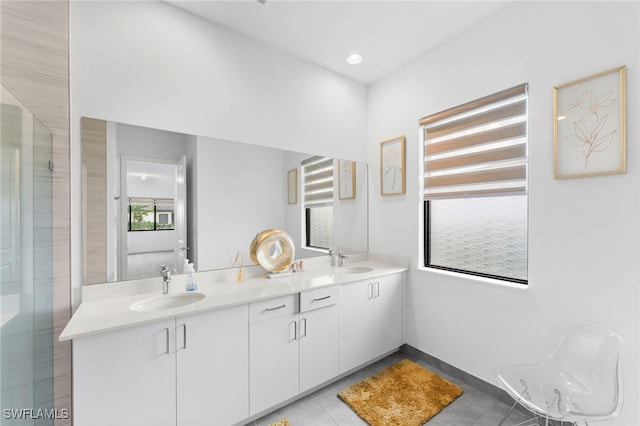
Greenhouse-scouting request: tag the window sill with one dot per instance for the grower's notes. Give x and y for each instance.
(474, 278)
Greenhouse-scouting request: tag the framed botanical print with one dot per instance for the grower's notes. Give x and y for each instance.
(590, 125)
(392, 166)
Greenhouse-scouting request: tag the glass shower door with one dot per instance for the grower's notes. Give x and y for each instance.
(26, 274)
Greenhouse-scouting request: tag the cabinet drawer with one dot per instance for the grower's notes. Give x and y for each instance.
(319, 298)
(272, 308)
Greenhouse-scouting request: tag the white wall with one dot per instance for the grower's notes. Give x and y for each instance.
(153, 65)
(584, 234)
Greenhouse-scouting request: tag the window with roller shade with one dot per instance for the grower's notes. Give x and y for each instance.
(475, 187)
(318, 201)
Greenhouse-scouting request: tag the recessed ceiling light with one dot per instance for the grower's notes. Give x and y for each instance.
(354, 59)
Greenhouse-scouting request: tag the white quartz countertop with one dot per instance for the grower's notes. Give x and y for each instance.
(111, 311)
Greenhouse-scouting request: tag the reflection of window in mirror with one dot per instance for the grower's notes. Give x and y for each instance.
(318, 202)
(146, 214)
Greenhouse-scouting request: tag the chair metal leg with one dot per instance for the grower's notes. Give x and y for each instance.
(508, 413)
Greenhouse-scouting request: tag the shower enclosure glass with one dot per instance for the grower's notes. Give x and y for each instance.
(26, 274)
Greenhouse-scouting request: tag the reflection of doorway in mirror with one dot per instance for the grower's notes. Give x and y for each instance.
(152, 217)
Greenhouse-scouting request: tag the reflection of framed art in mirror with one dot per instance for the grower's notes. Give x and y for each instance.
(346, 179)
(292, 186)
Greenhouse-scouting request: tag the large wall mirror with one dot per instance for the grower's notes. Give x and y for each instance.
(153, 197)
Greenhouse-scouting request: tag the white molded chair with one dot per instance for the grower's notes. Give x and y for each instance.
(580, 381)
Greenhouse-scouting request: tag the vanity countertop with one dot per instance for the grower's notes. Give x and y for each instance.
(110, 310)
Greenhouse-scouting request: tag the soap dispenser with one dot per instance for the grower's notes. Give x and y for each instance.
(191, 280)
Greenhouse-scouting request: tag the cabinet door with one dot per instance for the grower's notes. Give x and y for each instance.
(319, 346)
(356, 325)
(273, 362)
(126, 377)
(388, 314)
(212, 367)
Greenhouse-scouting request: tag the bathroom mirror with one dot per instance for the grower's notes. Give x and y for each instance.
(153, 197)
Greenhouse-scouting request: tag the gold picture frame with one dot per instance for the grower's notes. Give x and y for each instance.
(292, 186)
(346, 179)
(392, 166)
(590, 125)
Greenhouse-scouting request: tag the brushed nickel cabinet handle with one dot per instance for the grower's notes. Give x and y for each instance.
(184, 336)
(276, 308)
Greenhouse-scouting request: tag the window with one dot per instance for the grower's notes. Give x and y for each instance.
(318, 201)
(147, 214)
(475, 187)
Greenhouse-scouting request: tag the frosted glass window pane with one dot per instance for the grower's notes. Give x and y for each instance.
(483, 235)
(321, 227)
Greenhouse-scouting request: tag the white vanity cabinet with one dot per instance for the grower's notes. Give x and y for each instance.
(293, 345)
(212, 354)
(273, 354)
(370, 320)
(319, 336)
(126, 377)
(185, 371)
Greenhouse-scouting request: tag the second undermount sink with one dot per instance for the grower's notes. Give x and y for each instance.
(356, 269)
(166, 301)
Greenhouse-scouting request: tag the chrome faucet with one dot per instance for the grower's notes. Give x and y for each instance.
(332, 255)
(341, 257)
(166, 278)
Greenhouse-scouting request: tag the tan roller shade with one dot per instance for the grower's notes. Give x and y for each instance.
(478, 148)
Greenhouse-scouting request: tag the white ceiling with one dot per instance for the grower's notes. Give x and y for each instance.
(388, 34)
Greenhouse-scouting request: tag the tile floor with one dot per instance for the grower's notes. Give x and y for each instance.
(324, 408)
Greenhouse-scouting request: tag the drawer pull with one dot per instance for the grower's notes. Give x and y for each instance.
(276, 308)
(318, 299)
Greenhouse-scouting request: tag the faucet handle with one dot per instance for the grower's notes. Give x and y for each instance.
(166, 272)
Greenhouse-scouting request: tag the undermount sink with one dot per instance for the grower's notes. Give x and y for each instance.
(166, 301)
(356, 269)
